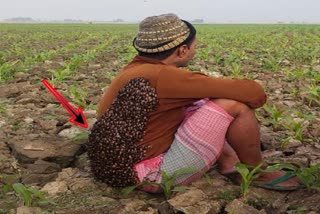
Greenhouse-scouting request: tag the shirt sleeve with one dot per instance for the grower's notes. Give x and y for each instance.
(180, 83)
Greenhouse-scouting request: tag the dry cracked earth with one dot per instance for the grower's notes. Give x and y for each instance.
(38, 148)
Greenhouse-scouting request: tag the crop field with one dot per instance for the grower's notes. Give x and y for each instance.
(41, 150)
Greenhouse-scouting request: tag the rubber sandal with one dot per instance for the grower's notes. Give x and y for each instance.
(272, 185)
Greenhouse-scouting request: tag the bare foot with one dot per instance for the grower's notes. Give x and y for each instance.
(228, 159)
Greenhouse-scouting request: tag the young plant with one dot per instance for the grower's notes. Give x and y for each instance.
(236, 70)
(271, 63)
(80, 136)
(29, 196)
(313, 92)
(209, 179)
(60, 75)
(247, 176)
(296, 126)
(275, 115)
(7, 71)
(168, 183)
(78, 95)
(228, 195)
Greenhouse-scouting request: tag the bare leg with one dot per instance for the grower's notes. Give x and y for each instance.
(227, 160)
(244, 137)
(243, 134)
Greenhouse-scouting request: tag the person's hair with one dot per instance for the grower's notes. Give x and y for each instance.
(165, 54)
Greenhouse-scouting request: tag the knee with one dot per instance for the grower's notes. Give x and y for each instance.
(233, 107)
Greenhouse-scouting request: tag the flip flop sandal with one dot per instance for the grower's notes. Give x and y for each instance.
(272, 185)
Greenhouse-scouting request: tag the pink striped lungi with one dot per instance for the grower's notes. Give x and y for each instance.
(198, 144)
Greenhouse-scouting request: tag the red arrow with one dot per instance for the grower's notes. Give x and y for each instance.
(78, 117)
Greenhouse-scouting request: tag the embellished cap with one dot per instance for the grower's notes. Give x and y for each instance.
(160, 33)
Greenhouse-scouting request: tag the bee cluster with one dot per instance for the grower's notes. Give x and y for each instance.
(112, 148)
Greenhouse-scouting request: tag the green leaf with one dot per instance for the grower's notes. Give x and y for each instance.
(280, 166)
(183, 171)
(80, 136)
(6, 188)
(180, 188)
(38, 194)
(23, 193)
(255, 170)
(127, 190)
(165, 175)
(242, 169)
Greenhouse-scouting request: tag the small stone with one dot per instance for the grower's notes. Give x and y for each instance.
(94, 66)
(285, 62)
(38, 179)
(28, 120)
(21, 75)
(90, 113)
(28, 150)
(55, 187)
(67, 174)
(70, 133)
(28, 210)
(149, 211)
(237, 206)
(2, 123)
(81, 183)
(9, 179)
(289, 103)
(132, 205)
(293, 143)
(187, 198)
(48, 125)
(317, 68)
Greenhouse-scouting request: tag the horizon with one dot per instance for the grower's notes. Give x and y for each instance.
(211, 11)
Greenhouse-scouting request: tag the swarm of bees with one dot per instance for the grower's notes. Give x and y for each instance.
(112, 148)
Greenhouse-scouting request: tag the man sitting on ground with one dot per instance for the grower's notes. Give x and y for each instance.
(157, 116)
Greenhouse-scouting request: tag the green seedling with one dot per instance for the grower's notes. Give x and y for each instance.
(29, 196)
(275, 115)
(313, 92)
(110, 75)
(203, 53)
(60, 75)
(128, 54)
(209, 179)
(228, 195)
(2, 109)
(78, 95)
(80, 136)
(49, 117)
(247, 176)
(296, 126)
(75, 62)
(168, 183)
(271, 63)
(236, 70)
(7, 71)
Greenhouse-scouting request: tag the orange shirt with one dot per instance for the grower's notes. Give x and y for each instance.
(177, 88)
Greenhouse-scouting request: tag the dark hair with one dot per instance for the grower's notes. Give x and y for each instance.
(165, 54)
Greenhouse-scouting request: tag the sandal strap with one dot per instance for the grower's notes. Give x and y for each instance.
(283, 178)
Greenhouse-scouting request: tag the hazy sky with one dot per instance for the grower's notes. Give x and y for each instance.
(249, 11)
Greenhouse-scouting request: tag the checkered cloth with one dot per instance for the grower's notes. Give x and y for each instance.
(198, 143)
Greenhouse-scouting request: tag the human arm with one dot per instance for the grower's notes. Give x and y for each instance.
(180, 83)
